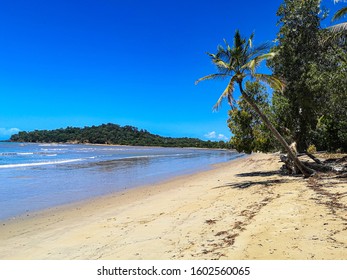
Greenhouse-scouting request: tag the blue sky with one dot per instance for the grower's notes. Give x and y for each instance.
(81, 63)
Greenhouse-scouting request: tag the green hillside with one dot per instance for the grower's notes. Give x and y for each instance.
(112, 134)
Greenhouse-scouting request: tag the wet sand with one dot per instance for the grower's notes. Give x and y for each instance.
(243, 209)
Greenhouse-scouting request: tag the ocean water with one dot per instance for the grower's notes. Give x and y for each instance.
(39, 176)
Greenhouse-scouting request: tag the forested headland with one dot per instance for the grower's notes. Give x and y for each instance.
(112, 134)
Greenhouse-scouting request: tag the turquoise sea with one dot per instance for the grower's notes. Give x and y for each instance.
(40, 176)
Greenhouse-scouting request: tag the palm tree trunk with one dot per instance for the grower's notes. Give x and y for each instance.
(304, 169)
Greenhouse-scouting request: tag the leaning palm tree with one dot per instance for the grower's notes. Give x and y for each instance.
(239, 62)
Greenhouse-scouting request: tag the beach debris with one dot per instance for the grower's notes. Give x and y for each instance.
(336, 165)
(224, 232)
(210, 222)
(230, 239)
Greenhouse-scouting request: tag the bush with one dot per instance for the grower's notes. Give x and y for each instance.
(312, 149)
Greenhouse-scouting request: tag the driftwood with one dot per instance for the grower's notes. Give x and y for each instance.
(289, 166)
(337, 166)
(314, 158)
(319, 167)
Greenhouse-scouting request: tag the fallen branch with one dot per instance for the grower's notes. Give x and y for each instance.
(319, 167)
(313, 157)
(336, 165)
(289, 166)
(344, 175)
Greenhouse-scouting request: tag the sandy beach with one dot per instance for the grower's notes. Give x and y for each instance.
(243, 209)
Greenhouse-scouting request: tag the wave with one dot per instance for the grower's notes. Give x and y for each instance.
(39, 163)
(53, 145)
(8, 154)
(15, 154)
(150, 156)
(26, 153)
(164, 155)
(55, 149)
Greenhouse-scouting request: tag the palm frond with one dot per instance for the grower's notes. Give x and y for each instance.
(239, 46)
(248, 46)
(211, 77)
(341, 27)
(272, 81)
(227, 93)
(250, 40)
(223, 54)
(221, 65)
(211, 55)
(226, 42)
(261, 49)
(339, 14)
(254, 63)
(238, 40)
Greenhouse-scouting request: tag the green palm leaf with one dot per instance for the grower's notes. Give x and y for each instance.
(254, 63)
(260, 50)
(211, 77)
(228, 93)
(271, 80)
(339, 14)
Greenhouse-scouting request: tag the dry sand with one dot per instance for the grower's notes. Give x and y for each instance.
(239, 210)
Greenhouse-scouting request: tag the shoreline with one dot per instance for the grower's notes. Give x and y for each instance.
(132, 194)
(119, 168)
(242, 209)
(116, 145)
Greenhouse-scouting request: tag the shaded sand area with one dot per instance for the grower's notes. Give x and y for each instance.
(242, 209)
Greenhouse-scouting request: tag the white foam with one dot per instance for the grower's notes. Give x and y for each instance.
(39, 163)
(15, 154)
(145, 156)
(53, 144)
(55, 149)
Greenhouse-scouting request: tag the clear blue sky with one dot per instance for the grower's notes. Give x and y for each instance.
(87, 62)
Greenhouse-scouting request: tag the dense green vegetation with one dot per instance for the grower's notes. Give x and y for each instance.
(249, 132)
(111, 134)
(312, 108)
(310, 63)
(309, 82)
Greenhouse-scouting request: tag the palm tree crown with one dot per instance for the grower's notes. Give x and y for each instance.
(239, 62)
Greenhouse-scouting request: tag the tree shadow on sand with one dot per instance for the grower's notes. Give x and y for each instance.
(247, 184)
(259, 174)
(264, 183)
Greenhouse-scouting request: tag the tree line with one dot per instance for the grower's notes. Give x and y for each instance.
(112, 134)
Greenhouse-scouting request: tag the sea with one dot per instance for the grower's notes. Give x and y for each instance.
(34, 177)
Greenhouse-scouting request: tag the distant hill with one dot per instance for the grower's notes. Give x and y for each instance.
(111, 134)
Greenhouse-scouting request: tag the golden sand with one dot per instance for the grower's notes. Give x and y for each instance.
(242, 209)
